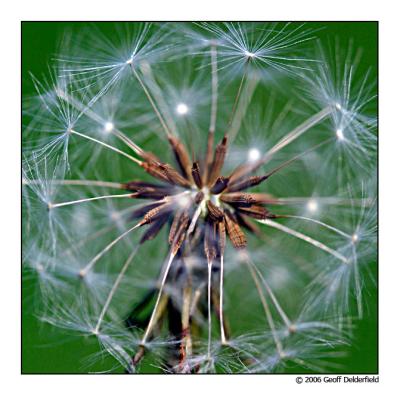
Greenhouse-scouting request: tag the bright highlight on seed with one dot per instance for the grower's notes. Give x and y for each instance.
(249, 54)
(339, 134)
(312, 205)
(108, 127)
(253, 155)
(184, 201)
(182, 109)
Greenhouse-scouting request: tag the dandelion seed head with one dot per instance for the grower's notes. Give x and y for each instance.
(201, 209)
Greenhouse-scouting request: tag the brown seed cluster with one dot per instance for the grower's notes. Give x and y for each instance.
(197, 202)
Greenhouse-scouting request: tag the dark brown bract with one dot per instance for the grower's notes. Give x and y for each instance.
(197, 201)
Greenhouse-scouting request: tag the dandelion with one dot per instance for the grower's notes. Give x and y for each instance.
(177, 214)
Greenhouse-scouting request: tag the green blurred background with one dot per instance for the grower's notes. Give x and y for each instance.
(44, 349)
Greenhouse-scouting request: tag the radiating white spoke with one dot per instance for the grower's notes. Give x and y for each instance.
(106, 145)
(89, 266)
(214, 88)
(209, 266)
(323, 200)
(77, 182)
(264, 303)
(271, 295)
(95, 117)
(114, 289)
(160, 291)
(297, 132)
(304, 237)
(296, 157)
(156, 92)
(221, 301)
(329, 227)
(57, 205)
(196, 216)
(235, 103)
(150, 99)
(241, 109)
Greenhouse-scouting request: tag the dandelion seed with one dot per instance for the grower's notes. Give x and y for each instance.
(334, 82)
